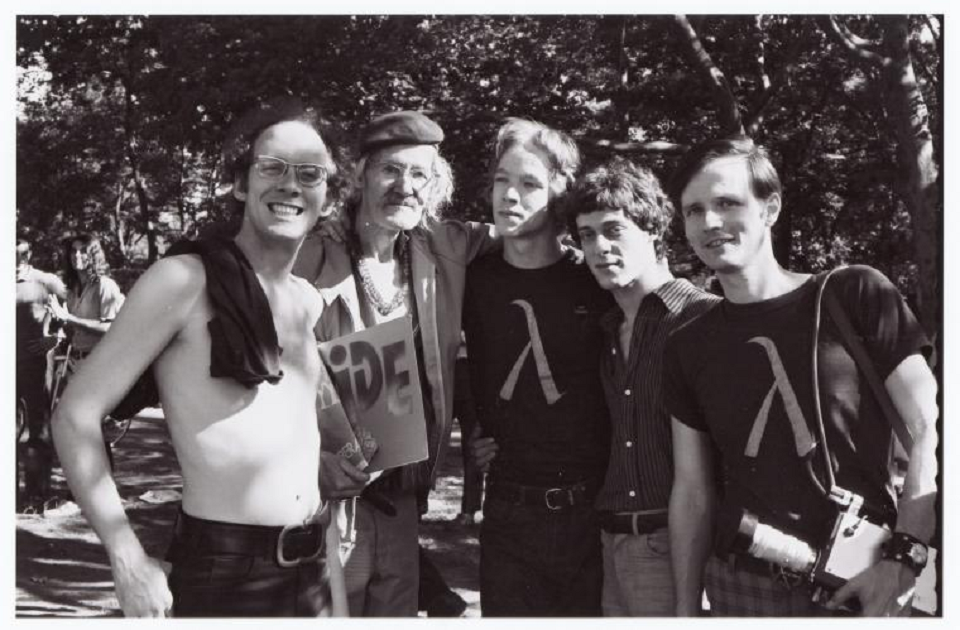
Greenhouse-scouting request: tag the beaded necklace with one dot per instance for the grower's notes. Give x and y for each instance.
(362, 275)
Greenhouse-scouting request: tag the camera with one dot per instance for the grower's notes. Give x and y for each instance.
(854, 545)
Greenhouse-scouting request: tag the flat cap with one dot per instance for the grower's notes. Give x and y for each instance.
(405, 127)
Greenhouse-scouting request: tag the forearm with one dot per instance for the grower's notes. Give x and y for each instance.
(916, 511)
(691, 540)
(80, 448)
(94, 325)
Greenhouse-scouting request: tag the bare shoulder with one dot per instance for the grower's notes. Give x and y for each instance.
(310, 296)
(172, 284)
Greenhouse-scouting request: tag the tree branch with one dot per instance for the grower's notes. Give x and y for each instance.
(857, 47)
(756, 117)
(723, 96)
(656, 146)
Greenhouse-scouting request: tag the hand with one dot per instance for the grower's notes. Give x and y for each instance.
(142, 588)
(336, 228)
(484, 450)
(57, 310)
(339, 479)
(884, 590)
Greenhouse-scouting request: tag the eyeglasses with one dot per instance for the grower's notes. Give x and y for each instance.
(391, 172)
(273, 169)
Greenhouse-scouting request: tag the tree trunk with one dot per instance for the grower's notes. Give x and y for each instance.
(909, 118)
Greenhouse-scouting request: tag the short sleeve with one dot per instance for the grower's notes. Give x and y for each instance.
(111, 299)
(678, 392)
(890, 330)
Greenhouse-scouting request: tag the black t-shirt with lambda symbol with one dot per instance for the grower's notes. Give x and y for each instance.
(533, 344)
(743, 373)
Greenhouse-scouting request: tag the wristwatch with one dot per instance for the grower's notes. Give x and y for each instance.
(907, 550)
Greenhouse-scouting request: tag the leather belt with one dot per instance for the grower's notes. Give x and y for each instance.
(553, 499)
(636, 523)
(289, 545)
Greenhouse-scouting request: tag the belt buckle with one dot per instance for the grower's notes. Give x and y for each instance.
(282, 561)
(550, 505)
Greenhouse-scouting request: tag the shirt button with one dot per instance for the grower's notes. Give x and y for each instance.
(629, 443)
(626, 392)
(632, 493)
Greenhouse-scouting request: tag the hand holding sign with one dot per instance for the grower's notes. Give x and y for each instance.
(374, 391)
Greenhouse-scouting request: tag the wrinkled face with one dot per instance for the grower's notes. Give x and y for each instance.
(521, 192)
(726, 224)
(396, 182)
(278, 205)
(616, 249)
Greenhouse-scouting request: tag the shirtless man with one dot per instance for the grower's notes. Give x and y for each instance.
(246, 541)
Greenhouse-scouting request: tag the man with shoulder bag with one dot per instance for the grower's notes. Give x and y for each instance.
(807, 522)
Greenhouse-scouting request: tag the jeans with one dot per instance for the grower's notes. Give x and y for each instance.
(637, 575)
(247, 586)
(535, 562)
(382, 571)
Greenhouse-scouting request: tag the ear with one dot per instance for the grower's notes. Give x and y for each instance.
(240, 188)
(772, 209)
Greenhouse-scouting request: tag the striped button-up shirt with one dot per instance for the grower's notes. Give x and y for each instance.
(640, 471)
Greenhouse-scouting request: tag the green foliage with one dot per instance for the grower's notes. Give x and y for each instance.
(107, 103)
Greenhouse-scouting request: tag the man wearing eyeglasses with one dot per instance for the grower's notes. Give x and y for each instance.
(227, 333)
(399, 259)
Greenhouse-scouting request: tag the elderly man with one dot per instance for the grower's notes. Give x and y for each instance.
(740, 379)
(398, 260)
(210, 325)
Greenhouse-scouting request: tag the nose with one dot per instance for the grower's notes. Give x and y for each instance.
(510, 193)
(603, 244)
(711, 219)
(289, 182)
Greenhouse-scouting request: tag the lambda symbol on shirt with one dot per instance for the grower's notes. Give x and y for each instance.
(781, 383)
(539, 357)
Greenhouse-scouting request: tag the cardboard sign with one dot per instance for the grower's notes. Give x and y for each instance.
(372, 389)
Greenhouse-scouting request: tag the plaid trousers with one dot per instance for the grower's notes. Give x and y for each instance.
(735, 592)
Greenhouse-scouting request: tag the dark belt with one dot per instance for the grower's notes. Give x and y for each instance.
(636, 523)
(289, 545)
(555, 498)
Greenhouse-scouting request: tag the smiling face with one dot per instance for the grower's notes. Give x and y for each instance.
(726, 224)
(284, 208)
(521, 192)
(395, 183)
(616, 249)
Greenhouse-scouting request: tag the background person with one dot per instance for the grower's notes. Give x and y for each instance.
(34, 289)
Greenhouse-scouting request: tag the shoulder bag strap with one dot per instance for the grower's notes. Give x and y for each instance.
(862, 359)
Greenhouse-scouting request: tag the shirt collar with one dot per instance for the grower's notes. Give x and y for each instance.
(673, 294)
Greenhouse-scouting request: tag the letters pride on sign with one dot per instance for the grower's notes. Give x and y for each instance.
(374, 372)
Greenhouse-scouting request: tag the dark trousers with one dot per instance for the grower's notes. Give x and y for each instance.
(206, 584)
(466, 415)
(37, 454)
(535, 562)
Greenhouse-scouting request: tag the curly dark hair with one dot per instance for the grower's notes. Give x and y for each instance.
(619, 184)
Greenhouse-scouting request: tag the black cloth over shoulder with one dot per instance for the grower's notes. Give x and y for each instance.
(243, 339)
